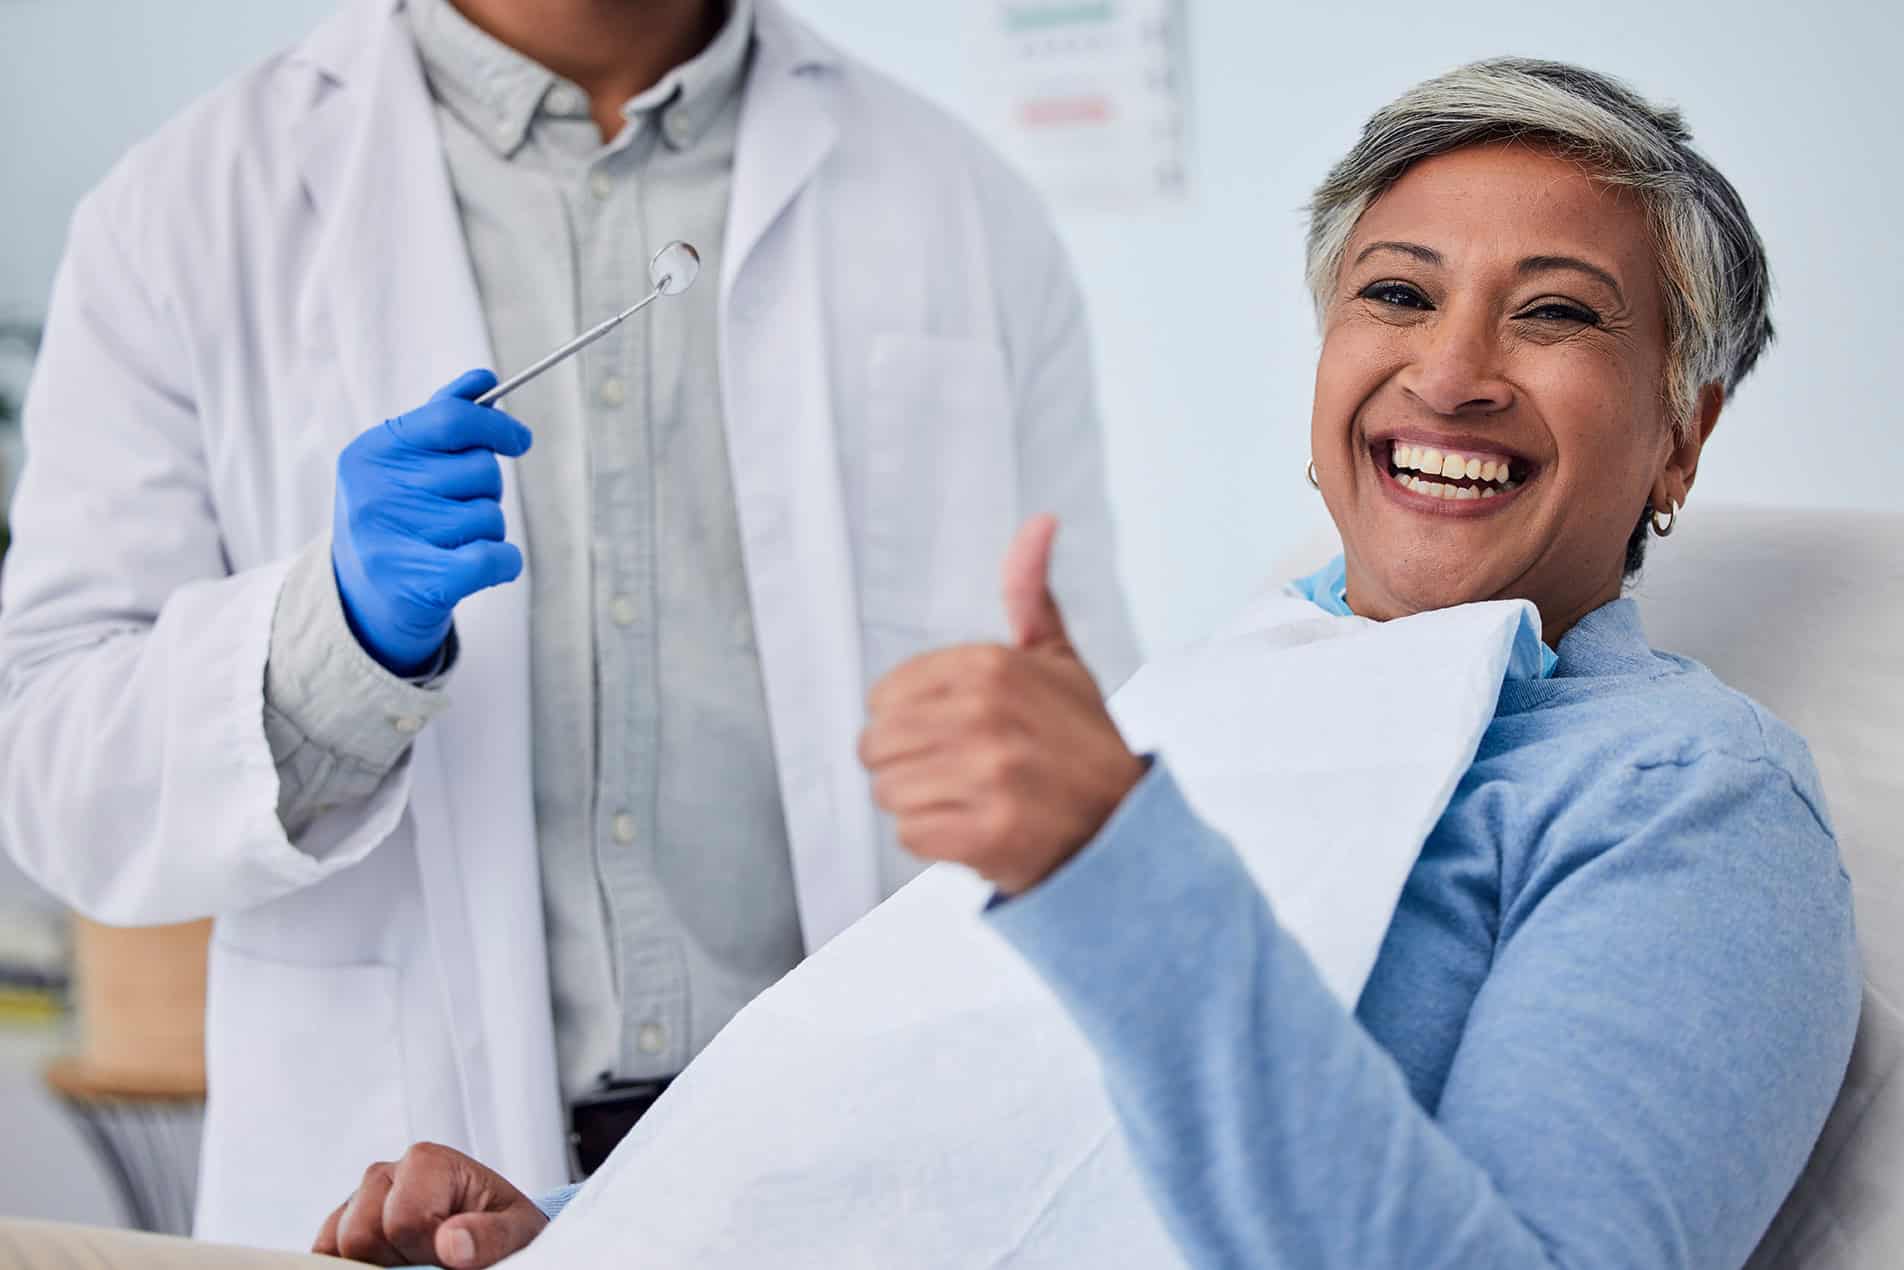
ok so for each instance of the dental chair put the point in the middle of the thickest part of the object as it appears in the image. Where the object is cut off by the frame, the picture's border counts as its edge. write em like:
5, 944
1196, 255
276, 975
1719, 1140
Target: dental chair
1804, 611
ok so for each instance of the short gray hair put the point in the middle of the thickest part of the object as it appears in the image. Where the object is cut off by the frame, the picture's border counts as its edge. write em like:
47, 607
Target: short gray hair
1712, 264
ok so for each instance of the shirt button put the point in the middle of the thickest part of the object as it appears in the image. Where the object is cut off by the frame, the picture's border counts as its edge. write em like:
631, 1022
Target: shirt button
600, 185
407, 724
624, 611
563, 100
624, 828
651, 1038
612, 392
679, 128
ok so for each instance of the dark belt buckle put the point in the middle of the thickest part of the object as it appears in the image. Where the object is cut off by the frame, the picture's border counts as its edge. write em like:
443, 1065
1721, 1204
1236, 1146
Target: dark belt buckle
601, 1118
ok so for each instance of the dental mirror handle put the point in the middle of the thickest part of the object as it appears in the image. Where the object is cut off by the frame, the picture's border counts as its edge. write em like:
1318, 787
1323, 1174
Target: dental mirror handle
565, 352
671, 271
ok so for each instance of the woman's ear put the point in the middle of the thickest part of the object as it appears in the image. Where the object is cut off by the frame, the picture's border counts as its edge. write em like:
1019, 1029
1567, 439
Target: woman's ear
1675, 479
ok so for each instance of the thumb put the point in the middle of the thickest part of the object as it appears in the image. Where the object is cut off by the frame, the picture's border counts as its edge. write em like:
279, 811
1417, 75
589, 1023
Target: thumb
469, 1241
1029, 606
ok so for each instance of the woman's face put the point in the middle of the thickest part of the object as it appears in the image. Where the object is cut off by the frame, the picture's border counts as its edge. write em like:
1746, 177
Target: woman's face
1498, 312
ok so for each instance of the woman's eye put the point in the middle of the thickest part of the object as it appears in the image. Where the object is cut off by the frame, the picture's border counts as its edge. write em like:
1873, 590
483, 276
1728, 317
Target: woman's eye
1398, 294
1554, 311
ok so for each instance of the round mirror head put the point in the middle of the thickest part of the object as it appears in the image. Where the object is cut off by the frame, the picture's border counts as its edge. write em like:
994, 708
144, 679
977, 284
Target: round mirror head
674, 268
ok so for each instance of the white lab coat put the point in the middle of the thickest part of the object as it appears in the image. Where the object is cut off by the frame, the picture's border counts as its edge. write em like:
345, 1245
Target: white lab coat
905, 376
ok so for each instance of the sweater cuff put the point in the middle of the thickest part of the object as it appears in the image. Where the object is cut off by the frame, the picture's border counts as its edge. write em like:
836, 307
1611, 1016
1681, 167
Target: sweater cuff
332, 692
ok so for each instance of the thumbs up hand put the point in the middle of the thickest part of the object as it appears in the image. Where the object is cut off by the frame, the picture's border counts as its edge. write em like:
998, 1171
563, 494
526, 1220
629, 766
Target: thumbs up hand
1000, 758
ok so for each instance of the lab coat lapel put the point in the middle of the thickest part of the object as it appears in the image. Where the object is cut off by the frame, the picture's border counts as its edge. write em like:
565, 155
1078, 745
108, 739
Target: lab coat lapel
390, 271
787, 129
391, 280
784, 451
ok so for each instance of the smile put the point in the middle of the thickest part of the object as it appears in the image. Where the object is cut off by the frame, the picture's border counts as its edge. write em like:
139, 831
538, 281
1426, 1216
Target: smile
1467, 480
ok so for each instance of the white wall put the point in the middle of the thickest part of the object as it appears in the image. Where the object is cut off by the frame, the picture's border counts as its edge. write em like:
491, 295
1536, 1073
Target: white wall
1205, 343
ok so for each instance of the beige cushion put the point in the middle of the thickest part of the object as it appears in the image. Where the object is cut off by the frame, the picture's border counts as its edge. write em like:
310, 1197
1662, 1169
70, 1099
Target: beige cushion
37, 1245
1804, 611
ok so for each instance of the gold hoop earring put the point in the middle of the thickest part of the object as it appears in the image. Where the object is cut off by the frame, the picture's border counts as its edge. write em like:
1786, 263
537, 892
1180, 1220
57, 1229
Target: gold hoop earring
1311, 474
1672, 519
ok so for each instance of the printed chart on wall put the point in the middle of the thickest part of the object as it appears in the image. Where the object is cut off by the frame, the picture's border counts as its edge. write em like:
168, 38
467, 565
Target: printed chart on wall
1090, 97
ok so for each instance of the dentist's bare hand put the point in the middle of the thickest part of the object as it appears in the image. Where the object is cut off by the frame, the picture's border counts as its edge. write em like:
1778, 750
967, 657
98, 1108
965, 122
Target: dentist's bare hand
1000, 758
434, 1207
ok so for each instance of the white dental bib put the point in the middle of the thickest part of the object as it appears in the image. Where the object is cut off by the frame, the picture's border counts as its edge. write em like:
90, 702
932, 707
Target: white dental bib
913, 1096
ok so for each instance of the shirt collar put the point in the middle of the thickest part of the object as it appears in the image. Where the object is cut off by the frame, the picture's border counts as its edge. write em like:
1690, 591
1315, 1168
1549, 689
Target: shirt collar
1608, 641
1328, 589
498, 92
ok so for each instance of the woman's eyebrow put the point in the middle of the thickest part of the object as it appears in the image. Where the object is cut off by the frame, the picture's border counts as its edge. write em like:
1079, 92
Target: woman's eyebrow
1427, 255
1545, 264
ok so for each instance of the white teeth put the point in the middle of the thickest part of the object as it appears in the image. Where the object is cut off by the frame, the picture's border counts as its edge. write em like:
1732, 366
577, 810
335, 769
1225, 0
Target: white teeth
1467, 493
1432, 462
1490, 493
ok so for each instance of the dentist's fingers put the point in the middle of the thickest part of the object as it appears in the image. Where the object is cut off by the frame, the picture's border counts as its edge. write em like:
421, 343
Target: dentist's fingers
468, 474
450, 523
474, 1240
449, 425
429, 1184
325, 1245
1030, 607
475, 566
469, 385
359, 1228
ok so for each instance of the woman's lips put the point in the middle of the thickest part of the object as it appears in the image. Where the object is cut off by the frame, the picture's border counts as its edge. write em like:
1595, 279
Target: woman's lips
1450, 479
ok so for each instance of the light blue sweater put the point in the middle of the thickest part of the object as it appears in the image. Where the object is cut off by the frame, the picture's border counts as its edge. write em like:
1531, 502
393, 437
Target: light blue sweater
1605, 1027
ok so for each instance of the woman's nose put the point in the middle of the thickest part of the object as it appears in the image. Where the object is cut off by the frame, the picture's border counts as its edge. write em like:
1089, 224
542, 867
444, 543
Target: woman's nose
1456, 370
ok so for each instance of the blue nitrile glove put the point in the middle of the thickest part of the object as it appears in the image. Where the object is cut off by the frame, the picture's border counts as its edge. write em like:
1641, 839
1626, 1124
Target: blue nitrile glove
418, 522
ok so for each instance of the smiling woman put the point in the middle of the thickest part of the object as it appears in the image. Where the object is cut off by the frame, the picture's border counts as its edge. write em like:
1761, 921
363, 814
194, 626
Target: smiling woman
1524, 265
1615, 998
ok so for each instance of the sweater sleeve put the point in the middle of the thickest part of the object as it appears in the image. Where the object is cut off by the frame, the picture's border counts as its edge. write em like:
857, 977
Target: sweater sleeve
1640, 1078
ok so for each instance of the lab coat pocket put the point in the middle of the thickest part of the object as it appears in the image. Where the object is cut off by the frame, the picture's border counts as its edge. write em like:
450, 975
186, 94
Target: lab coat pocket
304, 1065
940, 496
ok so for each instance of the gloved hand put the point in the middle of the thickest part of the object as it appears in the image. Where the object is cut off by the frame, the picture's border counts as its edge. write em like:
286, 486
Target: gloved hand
418, 521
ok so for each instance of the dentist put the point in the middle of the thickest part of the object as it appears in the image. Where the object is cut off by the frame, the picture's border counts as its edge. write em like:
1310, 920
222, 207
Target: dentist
514, 752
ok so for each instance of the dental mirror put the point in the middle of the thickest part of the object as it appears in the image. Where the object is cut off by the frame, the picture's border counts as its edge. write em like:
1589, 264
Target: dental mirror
674, 268
672, 271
